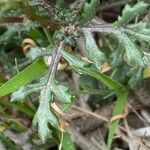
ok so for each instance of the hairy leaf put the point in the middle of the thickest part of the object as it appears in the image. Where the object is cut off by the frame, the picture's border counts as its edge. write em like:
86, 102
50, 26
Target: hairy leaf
89, 11
129, 13
92, 50
133, 54
44, 116
37, 52
140, 31
23, 92
136, 75
63, 92
72, 59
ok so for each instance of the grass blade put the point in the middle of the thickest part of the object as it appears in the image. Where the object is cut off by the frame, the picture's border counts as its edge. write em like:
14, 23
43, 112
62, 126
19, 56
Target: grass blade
100, 76
10, 145
119, 107
24, 77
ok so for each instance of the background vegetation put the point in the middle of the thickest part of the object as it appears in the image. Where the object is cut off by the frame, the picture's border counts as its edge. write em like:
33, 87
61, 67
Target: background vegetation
74, 74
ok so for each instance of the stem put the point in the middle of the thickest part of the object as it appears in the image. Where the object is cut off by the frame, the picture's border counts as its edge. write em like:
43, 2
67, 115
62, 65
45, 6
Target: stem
54, 63
52, 69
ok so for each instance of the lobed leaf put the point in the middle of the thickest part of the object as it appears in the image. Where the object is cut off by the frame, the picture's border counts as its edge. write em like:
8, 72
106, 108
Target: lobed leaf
23, 92
44, 116
63, 93
140, 31
129, 13
92, 50
133, 54
37, 52
72, 59
89, 11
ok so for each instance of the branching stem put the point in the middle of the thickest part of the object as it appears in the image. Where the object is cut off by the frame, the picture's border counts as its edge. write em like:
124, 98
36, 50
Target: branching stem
53, 68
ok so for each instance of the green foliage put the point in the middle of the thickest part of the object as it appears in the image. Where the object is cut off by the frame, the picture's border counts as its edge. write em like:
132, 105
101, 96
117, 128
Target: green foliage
123, 45
119, 107
101, 77
21, 94
37, 52
129, 13
89, 11
133, 54
119, 89
65, 139
24, 77
62, 92
140, 31
44, 116
93, 51
7, 141
72, 59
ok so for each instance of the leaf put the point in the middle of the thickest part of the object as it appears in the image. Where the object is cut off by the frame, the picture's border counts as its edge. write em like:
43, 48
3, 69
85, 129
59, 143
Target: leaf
89, 11
60, 3
119, 107
92, 50
117, 56
23, 92
67, 143
89, 90
133, 53
101, 77
18, 126
146, 72
72, 59
24, 77
135, 76
44, 116
37, 52
8, 143
140, 31
25, 108
129, 13
63, 93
